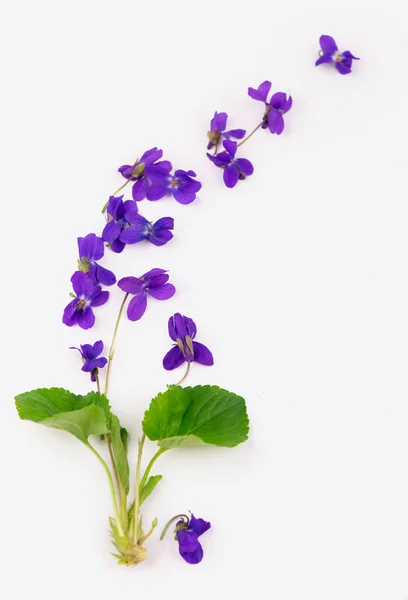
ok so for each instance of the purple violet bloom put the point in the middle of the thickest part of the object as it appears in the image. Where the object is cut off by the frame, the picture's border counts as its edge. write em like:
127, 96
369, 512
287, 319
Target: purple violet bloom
90, 250
234, 168
182, 330
157, 233
182, 185
217, 130
90, 354
79, 310
278, 105
144, 170
330, 54
153, 282
120, 215
187, 537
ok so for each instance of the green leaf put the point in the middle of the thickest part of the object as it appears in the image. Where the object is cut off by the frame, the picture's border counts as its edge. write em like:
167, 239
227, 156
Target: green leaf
58, 408
194, 415
120, 452
149, 487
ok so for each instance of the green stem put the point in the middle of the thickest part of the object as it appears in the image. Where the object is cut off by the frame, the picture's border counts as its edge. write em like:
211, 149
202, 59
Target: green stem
112, 347
250, 135
183, 517
119, 189
137, 490
149, 467
111, 487
185, 374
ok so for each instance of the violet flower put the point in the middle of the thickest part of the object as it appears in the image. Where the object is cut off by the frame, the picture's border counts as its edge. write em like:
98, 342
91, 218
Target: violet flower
154, 283
91, 358
182, 330
119, 216
278, 105
157, 233
144, 170
217, 130
234, 168
330, 54
90, 250
187, 537
182, 185
79, 310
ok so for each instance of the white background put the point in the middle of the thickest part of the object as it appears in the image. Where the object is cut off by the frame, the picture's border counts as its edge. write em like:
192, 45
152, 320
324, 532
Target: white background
297, 280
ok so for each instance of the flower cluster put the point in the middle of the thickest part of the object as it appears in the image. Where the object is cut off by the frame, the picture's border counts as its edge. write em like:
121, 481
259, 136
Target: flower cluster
236, 169
329, 54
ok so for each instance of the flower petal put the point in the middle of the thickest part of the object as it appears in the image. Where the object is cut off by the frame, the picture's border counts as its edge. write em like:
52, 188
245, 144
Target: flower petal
86, 318
202, 354
70, 316
82, 284
164, 223
327, 44
137, 307
219, 121
199, 526
278, 100
231, 175
173, 359
131, 210
115, 207
235, 133
343, 69
111, 231
275, 122
245, 166
90, 247
261, 93
104, 276
221, 159
230, 147
162, 292
130, 285
159, 237
184, 196
98, 348
324, 58
117, 246
99, 298
139, 189
158, 190
150, 156
134, 234
189, 547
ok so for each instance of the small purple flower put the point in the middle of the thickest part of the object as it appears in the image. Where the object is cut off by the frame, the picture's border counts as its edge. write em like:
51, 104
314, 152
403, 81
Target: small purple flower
234, 168
90, 250
144, 171
187, 537
182, 330
120, 215
217, 130
157, 233
330, 54
154, 283
79, 310
278, 105
182, 185
90, 355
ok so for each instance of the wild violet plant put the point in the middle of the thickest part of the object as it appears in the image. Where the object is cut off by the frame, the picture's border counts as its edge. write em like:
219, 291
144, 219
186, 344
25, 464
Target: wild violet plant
178, 417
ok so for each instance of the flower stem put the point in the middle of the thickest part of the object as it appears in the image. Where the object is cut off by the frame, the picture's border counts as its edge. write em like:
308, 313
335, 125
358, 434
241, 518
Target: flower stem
250, 135
182, 517
149, 467
98, 385
112, 346
111, 487
185, 374
119, 189
137, 490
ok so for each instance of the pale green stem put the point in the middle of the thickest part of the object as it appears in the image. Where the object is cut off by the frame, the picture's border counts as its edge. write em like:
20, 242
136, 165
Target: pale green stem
111, 487
250, 135
112, 347
137, 490
149, 467
182, 517
185, 375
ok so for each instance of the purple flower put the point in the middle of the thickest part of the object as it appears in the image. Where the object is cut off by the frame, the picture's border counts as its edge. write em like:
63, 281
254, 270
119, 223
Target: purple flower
182, 185
330, 54
90, 250
182, 330
90, 355
144, 171
234, 168
79, 311
187, 537
153, 282
217, 130
157, 233
119, 216
278, 105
